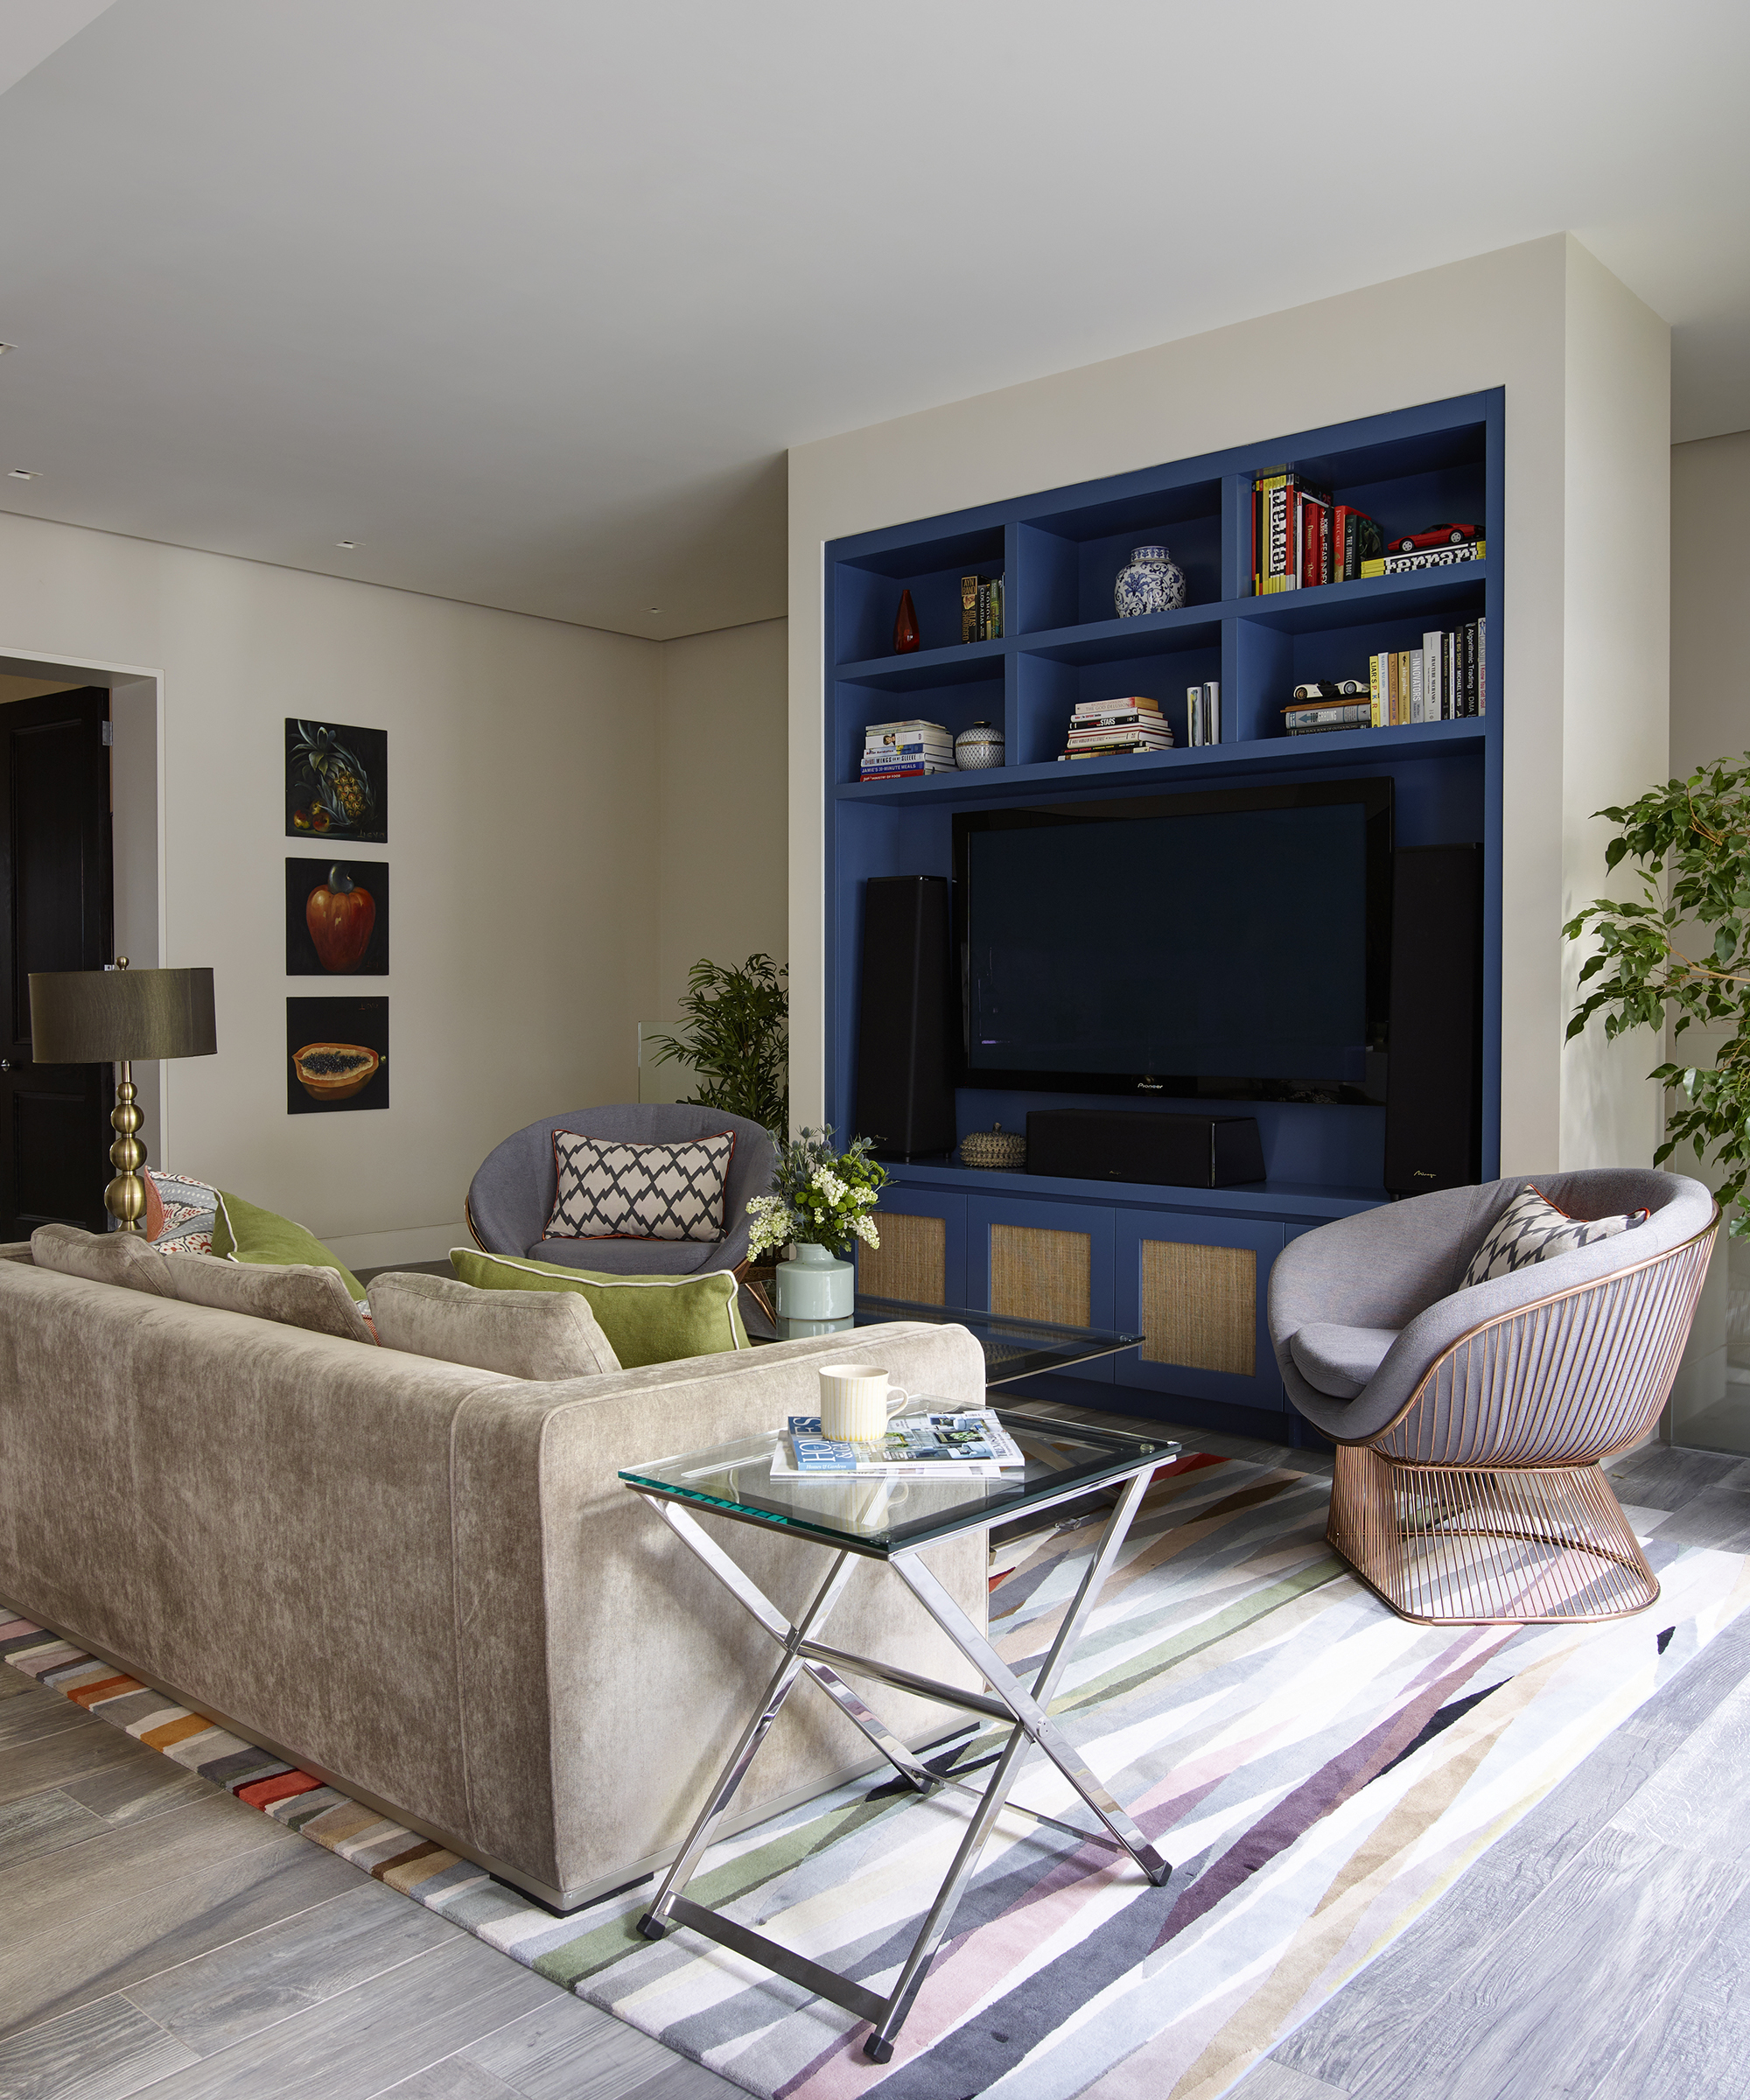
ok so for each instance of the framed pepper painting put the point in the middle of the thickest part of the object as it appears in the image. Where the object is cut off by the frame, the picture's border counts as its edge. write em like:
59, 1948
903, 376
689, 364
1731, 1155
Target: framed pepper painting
336, 918
336, 783
337, 1055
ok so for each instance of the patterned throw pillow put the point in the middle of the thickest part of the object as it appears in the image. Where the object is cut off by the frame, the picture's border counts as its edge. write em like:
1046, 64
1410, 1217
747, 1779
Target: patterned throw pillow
612, 1190
178, 1213
1532, 1229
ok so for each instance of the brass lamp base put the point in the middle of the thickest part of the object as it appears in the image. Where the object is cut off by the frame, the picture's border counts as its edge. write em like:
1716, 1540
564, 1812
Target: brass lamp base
125, 1198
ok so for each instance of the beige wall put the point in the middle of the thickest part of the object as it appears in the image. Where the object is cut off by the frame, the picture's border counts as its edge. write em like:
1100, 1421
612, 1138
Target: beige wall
720, 864
523, 796
1709, 719
1542, 320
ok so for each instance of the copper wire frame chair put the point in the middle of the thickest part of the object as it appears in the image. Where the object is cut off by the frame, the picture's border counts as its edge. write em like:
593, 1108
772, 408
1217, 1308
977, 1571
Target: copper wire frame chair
1481, 1502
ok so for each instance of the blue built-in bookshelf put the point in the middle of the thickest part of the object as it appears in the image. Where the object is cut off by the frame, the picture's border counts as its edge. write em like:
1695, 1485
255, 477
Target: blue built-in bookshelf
1059, 552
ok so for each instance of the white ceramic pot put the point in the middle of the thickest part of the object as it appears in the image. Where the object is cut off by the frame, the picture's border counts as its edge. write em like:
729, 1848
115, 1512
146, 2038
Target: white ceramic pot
978, 747
814, 1284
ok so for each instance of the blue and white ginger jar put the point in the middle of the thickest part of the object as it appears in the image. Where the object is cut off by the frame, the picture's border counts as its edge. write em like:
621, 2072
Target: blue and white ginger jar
1150, 582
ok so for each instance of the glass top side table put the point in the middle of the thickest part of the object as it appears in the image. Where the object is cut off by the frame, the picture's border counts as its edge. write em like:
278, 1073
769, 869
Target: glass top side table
893, 1521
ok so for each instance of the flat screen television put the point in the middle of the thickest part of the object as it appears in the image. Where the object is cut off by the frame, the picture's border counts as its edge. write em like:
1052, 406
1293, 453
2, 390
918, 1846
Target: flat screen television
1233, 944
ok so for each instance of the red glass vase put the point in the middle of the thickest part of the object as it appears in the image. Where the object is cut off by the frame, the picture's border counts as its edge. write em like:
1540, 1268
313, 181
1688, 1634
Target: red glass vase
906, 636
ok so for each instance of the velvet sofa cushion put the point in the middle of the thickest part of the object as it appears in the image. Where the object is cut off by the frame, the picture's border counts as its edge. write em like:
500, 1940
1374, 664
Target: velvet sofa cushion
244, 1232
127, 1258
646, 1318
1337, 1360
545, 1334
294, 1294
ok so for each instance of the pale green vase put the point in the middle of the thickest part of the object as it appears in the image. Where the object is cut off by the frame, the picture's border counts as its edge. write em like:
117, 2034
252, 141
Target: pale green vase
814, 1284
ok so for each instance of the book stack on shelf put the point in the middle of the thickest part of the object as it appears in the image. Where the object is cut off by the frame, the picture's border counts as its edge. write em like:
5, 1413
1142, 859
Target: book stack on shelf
1322, 705
981, 608
1444, 680
1103, 729
897, 751
1447, 549
1203, 714
1302, 538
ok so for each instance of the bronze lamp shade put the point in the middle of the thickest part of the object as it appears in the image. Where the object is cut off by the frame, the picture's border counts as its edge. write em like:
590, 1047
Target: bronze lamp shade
110, 1016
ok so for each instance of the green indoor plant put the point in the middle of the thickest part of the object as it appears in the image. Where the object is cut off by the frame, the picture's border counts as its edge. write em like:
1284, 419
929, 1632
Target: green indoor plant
821, 1202
736, 1037
1683, 951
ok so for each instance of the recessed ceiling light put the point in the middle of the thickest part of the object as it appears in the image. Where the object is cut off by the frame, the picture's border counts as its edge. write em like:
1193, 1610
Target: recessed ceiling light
20, 474
345, 542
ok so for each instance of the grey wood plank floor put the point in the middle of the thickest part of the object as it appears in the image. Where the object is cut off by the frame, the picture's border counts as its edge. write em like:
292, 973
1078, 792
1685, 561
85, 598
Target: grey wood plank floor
158, 1938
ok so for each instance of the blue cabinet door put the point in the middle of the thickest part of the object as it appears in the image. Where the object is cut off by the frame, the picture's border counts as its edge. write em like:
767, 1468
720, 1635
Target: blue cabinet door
1195, 1287
923, 1255
1043, 1260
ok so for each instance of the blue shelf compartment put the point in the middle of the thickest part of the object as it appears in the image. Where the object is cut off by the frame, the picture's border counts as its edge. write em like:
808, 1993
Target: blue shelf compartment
1068, 560
954, 686
1157, 656
867, 586
1407, 470
1331, 633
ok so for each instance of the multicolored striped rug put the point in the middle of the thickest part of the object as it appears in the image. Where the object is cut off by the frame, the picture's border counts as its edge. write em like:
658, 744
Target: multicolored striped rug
1316, 1770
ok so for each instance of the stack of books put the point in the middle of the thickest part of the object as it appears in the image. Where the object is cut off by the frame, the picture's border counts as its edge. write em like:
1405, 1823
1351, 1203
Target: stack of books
897, 750
1320, 704
1444, 680
1445, 556
1301, 537
981, 608
1103, 729
1203, 713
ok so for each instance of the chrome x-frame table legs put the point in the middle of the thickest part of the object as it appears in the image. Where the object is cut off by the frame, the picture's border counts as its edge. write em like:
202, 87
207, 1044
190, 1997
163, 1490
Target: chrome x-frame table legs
1022, 1705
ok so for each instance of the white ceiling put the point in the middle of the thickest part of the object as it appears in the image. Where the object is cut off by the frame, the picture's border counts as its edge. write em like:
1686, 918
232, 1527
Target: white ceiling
528, 297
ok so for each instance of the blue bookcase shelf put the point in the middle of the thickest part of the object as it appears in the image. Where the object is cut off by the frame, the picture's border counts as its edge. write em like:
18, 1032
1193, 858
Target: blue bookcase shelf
1059, 552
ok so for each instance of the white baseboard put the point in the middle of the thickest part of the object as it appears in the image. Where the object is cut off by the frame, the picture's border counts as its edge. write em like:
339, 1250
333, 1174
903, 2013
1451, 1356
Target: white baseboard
413, 1243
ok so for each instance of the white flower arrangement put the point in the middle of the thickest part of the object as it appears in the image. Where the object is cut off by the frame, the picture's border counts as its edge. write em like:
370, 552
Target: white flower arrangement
819, 1199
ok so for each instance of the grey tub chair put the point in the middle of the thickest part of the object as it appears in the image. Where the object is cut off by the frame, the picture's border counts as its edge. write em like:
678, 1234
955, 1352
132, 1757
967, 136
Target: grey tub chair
511, 1198
1469, 1423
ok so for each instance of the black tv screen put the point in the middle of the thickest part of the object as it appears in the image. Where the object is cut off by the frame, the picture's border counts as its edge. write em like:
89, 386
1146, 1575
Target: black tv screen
1233, 943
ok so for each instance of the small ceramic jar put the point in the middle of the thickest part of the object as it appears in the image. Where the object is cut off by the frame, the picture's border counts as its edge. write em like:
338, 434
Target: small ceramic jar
977, 747
1150, 582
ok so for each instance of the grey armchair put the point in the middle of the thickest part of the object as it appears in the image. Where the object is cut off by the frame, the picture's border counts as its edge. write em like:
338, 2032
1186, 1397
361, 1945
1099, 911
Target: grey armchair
1469, 1423
511, 1198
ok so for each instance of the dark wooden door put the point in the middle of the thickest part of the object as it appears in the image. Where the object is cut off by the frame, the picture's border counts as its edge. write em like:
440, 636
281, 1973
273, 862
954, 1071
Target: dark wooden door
58, 914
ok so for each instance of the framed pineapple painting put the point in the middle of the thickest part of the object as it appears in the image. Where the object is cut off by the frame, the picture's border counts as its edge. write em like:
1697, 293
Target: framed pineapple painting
336, 782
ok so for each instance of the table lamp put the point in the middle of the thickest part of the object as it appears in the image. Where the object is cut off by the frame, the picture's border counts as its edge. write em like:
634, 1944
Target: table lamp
110, 1016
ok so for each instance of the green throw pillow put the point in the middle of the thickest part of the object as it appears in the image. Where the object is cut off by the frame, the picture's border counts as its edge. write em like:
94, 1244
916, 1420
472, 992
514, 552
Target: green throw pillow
646, 1318
244, 1232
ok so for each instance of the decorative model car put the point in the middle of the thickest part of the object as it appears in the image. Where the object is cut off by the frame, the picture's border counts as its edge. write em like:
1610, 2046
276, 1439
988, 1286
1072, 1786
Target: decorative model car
1432, 535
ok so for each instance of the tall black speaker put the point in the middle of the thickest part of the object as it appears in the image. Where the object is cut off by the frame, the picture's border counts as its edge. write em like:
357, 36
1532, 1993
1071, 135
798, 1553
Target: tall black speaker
904, 1088
1433, 1095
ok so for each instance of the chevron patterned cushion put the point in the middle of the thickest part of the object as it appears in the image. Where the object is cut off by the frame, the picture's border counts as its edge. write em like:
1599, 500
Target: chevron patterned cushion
611, 1190
1532, 1229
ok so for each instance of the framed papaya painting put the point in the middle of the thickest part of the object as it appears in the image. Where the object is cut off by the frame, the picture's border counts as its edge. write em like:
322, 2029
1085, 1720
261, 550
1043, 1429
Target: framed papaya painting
336, 782
336, 1055
336, 918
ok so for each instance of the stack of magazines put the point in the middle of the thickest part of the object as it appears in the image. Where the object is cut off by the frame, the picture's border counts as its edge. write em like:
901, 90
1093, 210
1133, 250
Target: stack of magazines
971, 1443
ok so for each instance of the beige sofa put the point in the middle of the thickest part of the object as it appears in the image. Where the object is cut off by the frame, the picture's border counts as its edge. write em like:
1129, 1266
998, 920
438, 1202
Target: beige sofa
426, 1582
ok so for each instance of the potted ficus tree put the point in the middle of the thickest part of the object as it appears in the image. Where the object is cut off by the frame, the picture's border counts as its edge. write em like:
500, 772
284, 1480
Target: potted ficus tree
1682, 952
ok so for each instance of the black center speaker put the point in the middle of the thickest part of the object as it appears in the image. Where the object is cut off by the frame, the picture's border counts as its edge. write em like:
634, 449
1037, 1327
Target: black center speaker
1433, 1094
905, 1080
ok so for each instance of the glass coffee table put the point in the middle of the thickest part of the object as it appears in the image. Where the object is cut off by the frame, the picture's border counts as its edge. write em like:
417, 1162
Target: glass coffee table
892, 1521
1013, 1348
